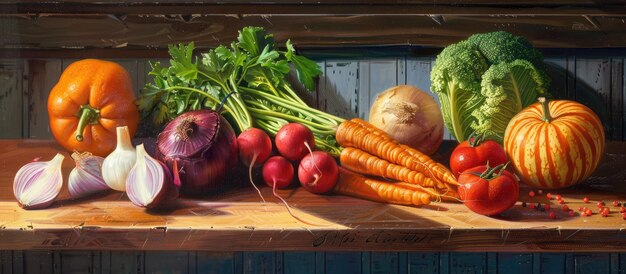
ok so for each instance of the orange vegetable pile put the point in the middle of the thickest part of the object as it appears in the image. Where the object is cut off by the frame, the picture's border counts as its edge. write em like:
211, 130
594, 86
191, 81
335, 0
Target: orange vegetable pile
370, 151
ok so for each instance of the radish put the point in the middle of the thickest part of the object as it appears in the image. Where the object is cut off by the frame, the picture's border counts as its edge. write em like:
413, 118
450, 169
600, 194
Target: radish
318, 172
254, 148
294, 140
278, 172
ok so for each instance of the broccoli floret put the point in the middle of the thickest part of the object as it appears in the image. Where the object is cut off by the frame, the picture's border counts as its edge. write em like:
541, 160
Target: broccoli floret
456, 78
480, 81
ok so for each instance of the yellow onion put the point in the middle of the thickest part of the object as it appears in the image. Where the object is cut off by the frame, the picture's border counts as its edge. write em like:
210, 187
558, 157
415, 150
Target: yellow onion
410, 116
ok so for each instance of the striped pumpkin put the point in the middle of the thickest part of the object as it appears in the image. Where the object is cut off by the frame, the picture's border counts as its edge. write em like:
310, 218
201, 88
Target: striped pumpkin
554, 144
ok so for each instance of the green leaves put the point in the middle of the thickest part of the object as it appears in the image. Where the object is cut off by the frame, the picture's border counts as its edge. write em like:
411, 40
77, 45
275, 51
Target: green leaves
252, 68
306, 69
181, 63
507, 89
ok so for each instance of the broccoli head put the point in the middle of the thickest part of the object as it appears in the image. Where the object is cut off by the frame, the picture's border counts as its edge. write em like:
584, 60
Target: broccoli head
482, 82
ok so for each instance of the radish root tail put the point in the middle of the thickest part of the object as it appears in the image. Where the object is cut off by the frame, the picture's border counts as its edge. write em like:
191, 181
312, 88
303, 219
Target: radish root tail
317, 178
289, 208
250, 176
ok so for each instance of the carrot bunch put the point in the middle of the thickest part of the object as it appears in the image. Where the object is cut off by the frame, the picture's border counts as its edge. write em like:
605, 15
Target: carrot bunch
370, 151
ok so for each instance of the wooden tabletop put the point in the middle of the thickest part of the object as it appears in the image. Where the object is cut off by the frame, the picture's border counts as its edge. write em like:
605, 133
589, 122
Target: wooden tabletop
238, 220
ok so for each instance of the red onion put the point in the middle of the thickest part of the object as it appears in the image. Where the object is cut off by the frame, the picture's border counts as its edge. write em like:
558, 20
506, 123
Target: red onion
200, 147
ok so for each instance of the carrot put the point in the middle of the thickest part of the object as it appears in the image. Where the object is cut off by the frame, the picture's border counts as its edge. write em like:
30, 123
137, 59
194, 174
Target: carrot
362, 162
447, 196
360, 134
353, 184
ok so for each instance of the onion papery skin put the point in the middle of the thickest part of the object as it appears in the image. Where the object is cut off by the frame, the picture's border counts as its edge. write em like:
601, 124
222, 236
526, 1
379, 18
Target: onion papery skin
158, 180
410, 116
46, 177
86, 178
206, 158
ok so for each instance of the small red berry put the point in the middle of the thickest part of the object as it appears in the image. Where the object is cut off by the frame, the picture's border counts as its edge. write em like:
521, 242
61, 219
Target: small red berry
624, 215
600, 204
588, 212
558, 197
622, 210
561, 202
565, 208
552, 215
605, 214
586, 200
582, 208
531, 193
549, 196
532, 206
572, 213
607, 210
616, 203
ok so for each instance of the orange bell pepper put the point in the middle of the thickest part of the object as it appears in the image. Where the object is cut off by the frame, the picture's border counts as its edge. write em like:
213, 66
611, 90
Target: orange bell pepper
91, 99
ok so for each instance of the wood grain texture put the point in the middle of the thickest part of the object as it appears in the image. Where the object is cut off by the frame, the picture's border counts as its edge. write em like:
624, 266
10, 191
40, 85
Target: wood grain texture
237, 221
10, 99
128, 31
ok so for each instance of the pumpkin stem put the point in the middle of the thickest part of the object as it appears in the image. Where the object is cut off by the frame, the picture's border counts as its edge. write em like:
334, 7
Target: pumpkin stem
546, 109
87, 116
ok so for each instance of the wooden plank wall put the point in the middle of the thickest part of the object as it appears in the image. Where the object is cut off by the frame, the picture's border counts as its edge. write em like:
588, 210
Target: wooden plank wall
347, 88
101, 262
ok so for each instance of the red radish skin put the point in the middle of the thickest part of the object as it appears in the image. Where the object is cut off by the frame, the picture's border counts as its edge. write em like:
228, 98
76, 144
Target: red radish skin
318, 172
292, 140
254, 148
278, 172
254, 142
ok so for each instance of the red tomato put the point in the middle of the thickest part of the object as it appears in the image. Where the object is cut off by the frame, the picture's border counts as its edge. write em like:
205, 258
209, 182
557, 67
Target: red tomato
488, 194
476, 153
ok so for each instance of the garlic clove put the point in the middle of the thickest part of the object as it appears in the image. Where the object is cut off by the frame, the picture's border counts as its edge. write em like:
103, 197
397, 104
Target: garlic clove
116, 165
37, 184
86, 178
149, 183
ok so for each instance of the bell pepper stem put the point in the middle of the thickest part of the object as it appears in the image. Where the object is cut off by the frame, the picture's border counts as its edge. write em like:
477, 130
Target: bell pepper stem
87, 116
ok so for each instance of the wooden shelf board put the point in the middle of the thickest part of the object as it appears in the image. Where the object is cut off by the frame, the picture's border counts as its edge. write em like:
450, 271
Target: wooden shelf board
237, 220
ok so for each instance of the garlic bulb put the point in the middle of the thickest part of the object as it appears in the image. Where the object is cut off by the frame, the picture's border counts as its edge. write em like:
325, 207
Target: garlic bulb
86, 178
37, 184
116, 166
149, 183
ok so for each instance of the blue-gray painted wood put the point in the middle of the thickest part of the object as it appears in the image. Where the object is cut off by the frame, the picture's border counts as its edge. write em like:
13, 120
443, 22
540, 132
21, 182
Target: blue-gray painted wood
384, 263
375, 76
421, 262
259, 263
15, 262
513, 263
343, 263
38, 262
75, 262
172, 261
592, 263
464, 262
338, 95
215, 262
299, 262
550, 263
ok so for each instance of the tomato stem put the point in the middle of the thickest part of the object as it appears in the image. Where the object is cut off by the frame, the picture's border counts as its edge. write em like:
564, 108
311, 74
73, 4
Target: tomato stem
87, 116
546, 109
